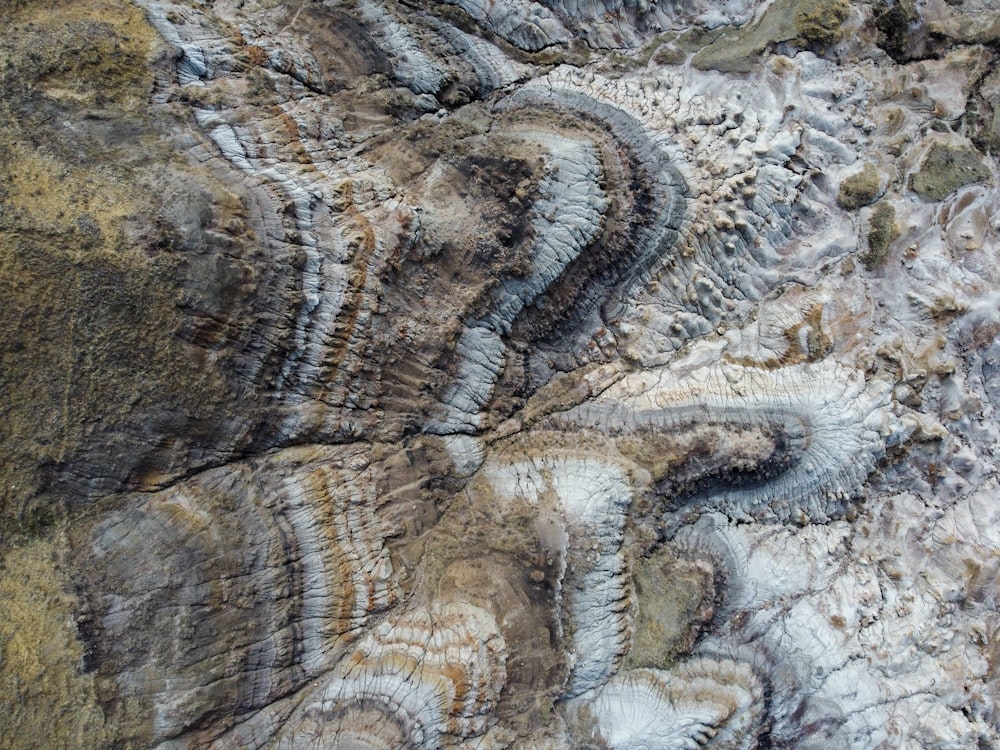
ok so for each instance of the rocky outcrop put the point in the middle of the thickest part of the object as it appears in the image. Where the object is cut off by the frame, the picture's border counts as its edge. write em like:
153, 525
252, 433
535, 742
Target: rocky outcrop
543, 374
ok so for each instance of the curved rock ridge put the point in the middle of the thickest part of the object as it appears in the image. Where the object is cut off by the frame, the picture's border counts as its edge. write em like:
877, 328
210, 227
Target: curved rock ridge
524, 23
579, 260
534, 374
638, 239
702, 702
437, 672
754, 631
565, 220
801, 439
289, 562
534, 26
588, 501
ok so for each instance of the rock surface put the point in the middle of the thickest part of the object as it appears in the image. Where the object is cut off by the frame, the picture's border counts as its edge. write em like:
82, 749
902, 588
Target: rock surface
478, 374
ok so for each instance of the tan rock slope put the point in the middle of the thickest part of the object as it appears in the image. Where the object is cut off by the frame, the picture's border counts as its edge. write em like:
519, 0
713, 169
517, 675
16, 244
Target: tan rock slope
559, 374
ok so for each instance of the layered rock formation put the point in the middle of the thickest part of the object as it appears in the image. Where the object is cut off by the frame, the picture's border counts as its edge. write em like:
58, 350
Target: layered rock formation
472, 374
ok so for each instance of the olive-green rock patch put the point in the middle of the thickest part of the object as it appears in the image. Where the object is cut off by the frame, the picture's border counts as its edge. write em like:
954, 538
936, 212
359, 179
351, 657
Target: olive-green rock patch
93, 373
881, 233
947, 168
804, 23
675, 600
894, 21
859, 189
46, 701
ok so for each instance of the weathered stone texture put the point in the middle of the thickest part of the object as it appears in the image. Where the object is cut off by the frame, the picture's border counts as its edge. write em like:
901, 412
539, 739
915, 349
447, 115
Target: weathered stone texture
485, 374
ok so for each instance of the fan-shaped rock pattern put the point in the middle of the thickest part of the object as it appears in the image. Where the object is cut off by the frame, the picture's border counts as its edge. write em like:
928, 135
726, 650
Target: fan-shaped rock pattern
528, 381
807, 434
289, 564
701, 703
588, 501
412, 681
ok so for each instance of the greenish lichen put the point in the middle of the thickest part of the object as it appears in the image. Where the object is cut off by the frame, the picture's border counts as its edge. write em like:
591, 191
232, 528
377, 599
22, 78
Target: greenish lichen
859, 189
803, 23
819, 21
93, 275
880, 235
894, 21
46, 701
674, 601
946, 168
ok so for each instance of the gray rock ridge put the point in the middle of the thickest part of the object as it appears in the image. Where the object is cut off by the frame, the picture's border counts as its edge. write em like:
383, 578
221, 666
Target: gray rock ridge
552, 393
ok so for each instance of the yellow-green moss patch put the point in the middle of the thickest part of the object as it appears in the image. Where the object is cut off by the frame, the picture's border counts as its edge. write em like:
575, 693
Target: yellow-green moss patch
675, 600
804, 23
880, 235
946, 168
860, 188
45, 699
